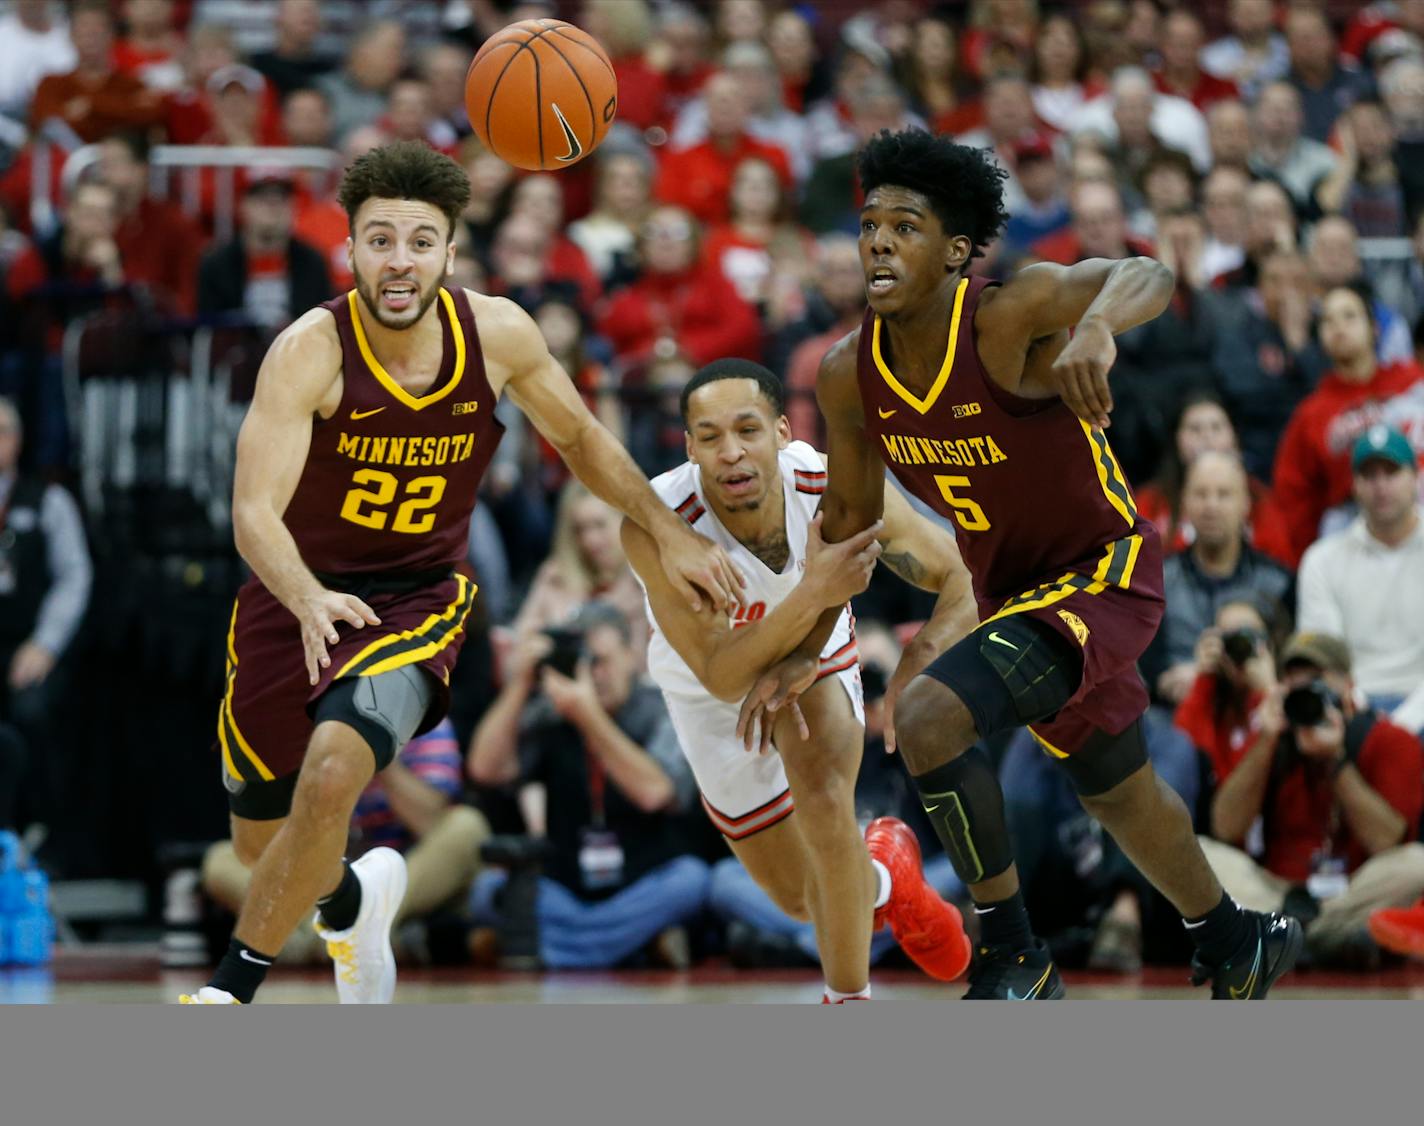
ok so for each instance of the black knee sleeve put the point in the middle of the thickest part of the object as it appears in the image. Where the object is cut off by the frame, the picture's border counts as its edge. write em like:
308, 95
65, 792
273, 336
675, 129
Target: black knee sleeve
1010, 672
1106, 760
965, 805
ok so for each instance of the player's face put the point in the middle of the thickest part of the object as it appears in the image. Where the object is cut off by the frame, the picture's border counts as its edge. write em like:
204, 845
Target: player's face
905, 252
734, 437
400, 253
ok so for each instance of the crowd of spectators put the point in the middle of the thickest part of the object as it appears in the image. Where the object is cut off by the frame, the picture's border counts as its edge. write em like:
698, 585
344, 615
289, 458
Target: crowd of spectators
1271, 420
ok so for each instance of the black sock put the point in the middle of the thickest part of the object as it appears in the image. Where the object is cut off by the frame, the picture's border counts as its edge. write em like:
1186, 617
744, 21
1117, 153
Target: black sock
340, 908
241, 971
1221, 932
1004, 923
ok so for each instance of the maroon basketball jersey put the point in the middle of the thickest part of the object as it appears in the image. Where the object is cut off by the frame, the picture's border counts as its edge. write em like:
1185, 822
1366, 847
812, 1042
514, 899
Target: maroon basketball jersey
1035, 495
390, 479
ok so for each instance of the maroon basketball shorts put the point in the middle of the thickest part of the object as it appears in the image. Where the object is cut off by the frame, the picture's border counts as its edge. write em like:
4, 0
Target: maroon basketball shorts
265, 720
1109, 609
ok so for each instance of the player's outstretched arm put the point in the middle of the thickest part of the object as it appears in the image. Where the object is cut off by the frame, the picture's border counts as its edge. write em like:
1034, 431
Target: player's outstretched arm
298, 376
727, 660
1096, 299
519, 362
854, 500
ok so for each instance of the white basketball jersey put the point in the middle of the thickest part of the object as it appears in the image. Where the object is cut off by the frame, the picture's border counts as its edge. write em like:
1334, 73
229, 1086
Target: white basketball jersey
803, 477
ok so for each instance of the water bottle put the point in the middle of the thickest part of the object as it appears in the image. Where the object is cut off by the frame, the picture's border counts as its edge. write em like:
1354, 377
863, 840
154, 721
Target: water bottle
11, 891
32, 930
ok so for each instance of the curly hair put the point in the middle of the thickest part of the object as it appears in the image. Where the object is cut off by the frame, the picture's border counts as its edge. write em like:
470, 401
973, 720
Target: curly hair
964, 186
405, 170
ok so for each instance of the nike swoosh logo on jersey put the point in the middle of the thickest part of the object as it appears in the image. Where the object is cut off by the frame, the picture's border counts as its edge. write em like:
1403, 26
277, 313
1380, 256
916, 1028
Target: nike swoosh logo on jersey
570, 137
885, 413
995, 637
357, 416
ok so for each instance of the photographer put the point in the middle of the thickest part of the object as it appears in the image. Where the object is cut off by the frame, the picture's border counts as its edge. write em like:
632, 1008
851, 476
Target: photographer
1338, 791
575, 717
1236, 670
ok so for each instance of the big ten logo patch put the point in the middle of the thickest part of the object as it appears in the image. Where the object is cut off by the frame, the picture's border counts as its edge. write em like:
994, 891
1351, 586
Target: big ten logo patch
468, 407
966, 410
746, 615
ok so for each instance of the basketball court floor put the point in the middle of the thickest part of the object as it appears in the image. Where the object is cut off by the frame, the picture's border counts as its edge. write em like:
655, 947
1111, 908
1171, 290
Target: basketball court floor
121, 975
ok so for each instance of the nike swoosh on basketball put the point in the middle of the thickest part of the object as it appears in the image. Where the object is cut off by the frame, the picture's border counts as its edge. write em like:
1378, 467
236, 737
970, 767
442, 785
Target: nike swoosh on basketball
570, 137
995, 637
1250, 986
356, 416
885, 413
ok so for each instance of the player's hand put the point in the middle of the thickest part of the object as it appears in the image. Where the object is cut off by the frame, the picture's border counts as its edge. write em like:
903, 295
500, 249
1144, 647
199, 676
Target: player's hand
1080, 374
571, 696
701, 572
318, 614
913, 661
780, 687
31, 665
841, 570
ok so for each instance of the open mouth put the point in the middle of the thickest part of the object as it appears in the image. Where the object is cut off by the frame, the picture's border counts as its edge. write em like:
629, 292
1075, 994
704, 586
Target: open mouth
398, 295
739, 483
882, 279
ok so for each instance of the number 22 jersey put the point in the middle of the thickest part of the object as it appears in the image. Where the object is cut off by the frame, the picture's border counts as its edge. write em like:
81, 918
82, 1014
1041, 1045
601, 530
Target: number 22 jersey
391, 478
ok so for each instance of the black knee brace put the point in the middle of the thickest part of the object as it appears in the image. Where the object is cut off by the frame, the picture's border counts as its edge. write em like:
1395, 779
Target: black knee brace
1106, 760
1010, 672
965, 805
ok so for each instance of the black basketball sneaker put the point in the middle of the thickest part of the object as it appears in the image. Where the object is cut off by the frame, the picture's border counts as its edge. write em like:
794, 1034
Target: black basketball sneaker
1275, 943
1005, 974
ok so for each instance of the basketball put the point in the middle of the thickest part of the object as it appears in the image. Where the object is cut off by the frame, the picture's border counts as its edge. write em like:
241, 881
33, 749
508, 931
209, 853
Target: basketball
541, 94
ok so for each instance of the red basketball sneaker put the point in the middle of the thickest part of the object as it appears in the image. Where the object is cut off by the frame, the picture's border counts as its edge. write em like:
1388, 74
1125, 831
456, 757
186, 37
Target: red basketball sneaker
927, 928
1400, 929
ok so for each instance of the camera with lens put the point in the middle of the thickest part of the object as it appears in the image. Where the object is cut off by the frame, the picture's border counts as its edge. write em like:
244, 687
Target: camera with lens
1306, 706
1240, 645
873, 681
566, 652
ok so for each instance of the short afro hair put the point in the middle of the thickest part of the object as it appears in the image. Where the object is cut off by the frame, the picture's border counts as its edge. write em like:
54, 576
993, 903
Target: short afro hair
736, 368
964, 186
405, 170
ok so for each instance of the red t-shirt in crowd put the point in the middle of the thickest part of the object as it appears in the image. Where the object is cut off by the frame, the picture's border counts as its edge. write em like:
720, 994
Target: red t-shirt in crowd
698, 309
1224, 736
322, 224
642, 93
1302, 813
700, 178
1209, 89
160, 247
1312, 472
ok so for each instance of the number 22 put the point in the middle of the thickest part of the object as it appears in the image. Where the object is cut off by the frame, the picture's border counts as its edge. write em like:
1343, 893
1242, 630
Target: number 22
366, 506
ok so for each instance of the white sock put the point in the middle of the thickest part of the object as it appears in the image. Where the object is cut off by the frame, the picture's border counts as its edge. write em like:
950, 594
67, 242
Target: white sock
882, 876
836, 998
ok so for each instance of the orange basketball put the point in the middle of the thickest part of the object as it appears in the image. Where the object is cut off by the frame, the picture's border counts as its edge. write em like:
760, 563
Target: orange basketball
541, 94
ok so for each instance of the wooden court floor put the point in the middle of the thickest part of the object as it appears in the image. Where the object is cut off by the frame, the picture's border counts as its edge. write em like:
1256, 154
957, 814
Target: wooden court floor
115, 975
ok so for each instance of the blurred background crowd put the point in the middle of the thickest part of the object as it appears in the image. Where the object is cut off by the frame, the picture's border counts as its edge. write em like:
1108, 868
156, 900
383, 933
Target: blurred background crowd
167, 171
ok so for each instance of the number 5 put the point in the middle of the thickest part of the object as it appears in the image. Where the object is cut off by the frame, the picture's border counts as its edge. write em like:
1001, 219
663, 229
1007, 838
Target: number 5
968, 514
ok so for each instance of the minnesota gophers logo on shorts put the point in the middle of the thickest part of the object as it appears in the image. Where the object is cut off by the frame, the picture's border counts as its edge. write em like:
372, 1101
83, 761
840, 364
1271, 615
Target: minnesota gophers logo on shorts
1075, 623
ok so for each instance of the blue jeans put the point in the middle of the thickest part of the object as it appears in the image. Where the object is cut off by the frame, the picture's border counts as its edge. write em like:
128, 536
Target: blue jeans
578, 934
735, 896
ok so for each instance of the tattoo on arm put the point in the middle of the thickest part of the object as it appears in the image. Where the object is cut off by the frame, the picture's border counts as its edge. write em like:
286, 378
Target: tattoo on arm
904, 564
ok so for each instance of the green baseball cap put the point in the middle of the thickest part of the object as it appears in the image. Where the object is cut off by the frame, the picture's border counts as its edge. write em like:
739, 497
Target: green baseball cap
1383, 443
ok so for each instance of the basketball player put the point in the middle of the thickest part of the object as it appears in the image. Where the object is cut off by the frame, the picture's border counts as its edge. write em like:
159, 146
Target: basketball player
357, 468
755, 492
990, 403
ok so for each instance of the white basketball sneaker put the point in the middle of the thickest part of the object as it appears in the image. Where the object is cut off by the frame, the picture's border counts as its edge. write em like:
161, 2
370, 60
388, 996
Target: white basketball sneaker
365, 964
209, 996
